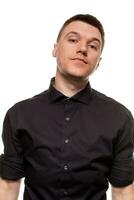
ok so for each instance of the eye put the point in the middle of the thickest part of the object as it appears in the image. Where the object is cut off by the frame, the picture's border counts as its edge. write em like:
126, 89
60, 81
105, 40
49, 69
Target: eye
73, 40
92, 46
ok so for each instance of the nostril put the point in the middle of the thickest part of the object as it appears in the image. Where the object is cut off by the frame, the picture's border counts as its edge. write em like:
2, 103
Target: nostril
83, 52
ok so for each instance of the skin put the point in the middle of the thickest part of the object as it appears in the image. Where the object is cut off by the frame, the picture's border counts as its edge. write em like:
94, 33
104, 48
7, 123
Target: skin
124, 193
9, 190
78, 54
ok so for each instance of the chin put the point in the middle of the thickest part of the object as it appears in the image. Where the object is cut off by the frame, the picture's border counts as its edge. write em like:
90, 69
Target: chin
77, 77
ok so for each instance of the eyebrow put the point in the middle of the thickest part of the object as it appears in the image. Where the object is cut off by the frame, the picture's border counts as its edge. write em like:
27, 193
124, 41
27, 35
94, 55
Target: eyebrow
77, 34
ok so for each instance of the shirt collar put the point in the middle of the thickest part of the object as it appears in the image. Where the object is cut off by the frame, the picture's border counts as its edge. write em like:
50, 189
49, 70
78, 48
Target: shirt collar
56, 96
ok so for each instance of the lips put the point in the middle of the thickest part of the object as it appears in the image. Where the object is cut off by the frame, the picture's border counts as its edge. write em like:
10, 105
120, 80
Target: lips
80, 59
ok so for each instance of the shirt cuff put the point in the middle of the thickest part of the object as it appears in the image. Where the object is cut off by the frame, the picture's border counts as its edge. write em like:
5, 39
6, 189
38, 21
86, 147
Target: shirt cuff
11, 168
122, 173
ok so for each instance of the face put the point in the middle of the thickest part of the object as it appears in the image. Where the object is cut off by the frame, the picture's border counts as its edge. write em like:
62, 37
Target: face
78, 50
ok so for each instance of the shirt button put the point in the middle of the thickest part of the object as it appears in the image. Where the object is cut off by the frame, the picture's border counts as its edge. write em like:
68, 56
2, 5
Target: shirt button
67, 118
65, 193
67, 141
65, 167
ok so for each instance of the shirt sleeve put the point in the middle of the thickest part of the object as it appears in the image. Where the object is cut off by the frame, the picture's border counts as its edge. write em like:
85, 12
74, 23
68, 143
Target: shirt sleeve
122, 170
11, 161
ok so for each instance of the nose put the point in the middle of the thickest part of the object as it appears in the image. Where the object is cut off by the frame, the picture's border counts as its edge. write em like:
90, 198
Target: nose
82, 48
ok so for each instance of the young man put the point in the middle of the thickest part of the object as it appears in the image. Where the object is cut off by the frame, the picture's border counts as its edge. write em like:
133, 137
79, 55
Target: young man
69, 141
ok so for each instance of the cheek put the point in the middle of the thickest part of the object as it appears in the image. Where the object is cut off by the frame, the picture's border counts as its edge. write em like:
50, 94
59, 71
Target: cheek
65, 51
61, 58
62, 55
93, 59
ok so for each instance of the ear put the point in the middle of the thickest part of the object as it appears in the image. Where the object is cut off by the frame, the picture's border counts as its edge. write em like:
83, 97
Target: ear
54, 52
98, 63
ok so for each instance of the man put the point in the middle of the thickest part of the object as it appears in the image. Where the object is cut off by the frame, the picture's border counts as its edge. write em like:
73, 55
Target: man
69, 141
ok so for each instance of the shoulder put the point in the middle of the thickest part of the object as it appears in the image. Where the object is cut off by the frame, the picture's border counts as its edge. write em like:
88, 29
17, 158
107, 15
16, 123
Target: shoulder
109, 105
30, 104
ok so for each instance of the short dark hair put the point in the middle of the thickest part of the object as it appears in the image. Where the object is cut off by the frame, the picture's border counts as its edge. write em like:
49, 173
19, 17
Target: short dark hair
87, 18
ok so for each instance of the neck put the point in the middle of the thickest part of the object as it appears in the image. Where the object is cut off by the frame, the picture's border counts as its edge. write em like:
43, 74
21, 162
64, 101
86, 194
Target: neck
69, 86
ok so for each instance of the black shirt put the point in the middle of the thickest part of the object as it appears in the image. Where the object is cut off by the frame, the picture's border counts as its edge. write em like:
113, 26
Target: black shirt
68, 148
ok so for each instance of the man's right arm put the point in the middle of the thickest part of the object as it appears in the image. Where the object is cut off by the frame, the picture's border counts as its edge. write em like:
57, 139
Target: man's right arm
9, 190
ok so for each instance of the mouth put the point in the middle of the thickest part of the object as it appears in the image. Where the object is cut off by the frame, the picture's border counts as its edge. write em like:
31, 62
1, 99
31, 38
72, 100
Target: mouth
80, 59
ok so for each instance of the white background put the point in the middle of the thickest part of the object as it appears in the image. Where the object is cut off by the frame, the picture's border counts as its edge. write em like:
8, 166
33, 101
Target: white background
28, 30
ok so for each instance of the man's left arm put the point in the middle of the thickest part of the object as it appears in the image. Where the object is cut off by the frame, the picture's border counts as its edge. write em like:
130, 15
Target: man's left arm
121, 174
123, 193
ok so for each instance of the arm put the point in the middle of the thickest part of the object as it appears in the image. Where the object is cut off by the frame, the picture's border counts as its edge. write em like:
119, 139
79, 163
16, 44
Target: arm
123, 193
9, 190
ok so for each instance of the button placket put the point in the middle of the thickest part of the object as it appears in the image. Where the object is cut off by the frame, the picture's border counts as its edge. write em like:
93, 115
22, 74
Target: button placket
68, 110
66, 132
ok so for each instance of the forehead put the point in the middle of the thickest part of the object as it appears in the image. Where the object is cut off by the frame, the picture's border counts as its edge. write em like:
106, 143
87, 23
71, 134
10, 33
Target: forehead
83, 29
